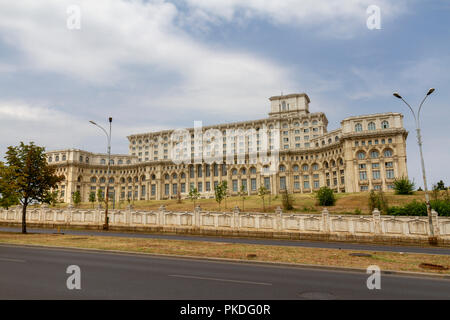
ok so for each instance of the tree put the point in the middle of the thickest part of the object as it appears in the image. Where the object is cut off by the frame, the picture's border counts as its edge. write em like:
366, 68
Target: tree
52, 197
287, 200
29, 176
193, 195
8, 197
262, 191
100, 197
219, 193
92, 198
403, 186
76, 198
242, 194
326, 197
379, 201
225, 191
440, 185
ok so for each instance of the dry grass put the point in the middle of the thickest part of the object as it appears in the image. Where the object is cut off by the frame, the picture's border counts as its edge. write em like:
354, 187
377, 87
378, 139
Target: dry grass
299, 255
347, 203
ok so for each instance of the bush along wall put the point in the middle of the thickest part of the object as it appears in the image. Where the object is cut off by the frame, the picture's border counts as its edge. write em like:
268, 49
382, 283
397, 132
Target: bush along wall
419, 208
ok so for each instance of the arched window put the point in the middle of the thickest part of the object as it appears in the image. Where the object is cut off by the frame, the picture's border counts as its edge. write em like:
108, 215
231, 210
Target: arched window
336, 138
129, 180
385, 124
243, 171
371, 126
333, 163
174, 176
120, 161
166, 176
325, 165
295, 167
103, 161
314, 122
136, 179
358, 127
128, 161
374, 154
183, 175
81, 158
234, 172
305, 123
329, 140
315, 166
102, 180
122, 180
361, 155
305, 167
111, 180
111, 161
282, 168
93, 180
387, 153
252, 170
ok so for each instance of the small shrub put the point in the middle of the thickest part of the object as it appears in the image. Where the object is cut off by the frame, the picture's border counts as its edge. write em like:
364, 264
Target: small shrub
287, 201
419, 208
379, 201
403, 186
326, 197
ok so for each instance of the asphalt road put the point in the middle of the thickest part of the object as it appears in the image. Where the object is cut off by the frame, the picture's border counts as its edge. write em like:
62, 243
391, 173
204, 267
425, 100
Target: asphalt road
299, 243
40, 273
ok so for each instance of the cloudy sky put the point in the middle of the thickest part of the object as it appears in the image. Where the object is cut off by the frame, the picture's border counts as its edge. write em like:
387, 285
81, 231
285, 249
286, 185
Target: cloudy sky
159, 64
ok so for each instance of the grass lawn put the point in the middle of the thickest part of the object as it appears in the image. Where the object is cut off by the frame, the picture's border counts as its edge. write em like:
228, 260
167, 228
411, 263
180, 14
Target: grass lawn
313, 256
347, 203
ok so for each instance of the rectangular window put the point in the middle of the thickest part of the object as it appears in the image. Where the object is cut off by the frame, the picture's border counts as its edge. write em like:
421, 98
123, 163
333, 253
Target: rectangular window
296, 185
267, 183
235, 185
376, 174
183, 187
282, 183
375, 165
316, 184
362, 175
166, 189
390, 174
153, 189
208, 186
253, 183
306, 184
174, 188
244, 184
200, 187
364, 188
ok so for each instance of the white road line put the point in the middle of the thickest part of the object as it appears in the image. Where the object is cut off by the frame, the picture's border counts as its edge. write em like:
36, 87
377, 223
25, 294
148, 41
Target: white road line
217, 279
11, 260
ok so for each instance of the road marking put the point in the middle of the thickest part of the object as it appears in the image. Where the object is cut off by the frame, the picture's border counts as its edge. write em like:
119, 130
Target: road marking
217, 279
11, 260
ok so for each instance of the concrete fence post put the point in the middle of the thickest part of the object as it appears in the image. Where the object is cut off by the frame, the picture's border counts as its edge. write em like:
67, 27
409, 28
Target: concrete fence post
197, 222
325, 220
435, 220
376, 221
161, 217
278, 218
236, 218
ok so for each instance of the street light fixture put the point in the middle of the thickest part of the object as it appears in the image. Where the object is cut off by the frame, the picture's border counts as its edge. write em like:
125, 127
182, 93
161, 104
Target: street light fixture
108, 137
419, 142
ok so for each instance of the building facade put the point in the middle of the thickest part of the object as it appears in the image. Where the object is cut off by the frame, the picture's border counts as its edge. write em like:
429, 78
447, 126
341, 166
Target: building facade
290, 149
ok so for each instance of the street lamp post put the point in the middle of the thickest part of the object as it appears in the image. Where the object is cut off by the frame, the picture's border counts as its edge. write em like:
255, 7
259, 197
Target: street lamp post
419, 142
108, 137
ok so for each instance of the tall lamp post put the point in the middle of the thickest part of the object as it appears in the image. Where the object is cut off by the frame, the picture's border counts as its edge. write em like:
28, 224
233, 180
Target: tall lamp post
419, 141
108, 137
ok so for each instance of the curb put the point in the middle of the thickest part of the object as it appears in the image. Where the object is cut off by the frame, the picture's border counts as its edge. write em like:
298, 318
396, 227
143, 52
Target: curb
240, 261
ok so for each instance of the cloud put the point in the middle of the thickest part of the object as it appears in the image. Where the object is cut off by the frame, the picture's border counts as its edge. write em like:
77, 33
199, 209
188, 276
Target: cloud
329, 17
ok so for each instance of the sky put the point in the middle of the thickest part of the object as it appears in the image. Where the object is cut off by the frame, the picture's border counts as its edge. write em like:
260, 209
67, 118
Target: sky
160, 64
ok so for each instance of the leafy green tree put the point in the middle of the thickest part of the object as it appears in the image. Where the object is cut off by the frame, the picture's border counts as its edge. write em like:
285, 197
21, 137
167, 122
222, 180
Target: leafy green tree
92, 198
52, 197
193, 195
287, 200
29, 176
219, 194
242, 194
326, 197
225, 191
76, 198
262, 191
440, 185
100, 197
403, 186
8, 197
378, 200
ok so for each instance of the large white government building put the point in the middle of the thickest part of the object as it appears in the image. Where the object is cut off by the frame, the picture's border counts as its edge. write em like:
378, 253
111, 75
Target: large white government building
367, 152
